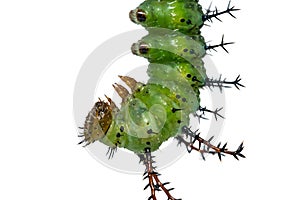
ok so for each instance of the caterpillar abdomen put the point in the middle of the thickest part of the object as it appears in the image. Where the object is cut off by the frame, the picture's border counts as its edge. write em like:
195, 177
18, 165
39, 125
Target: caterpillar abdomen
158, 110
155, 111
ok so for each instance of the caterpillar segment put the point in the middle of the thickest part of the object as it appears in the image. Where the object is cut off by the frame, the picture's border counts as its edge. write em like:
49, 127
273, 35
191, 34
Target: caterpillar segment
183, 15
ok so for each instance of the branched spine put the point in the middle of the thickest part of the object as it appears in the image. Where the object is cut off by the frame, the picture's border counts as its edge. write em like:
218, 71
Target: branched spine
214, 112
207, 146
154, 183
222, 45
222, 83
208, 16
111, 152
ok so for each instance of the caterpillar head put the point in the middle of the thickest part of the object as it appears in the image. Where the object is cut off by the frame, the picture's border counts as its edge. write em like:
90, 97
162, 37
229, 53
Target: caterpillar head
97, 122
186, 16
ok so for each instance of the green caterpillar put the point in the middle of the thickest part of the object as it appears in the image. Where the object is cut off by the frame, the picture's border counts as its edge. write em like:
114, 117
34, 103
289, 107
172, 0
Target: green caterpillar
155, 111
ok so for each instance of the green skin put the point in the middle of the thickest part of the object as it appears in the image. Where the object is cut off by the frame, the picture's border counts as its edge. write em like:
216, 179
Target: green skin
165, 46
145, 118
185, 15
157, 111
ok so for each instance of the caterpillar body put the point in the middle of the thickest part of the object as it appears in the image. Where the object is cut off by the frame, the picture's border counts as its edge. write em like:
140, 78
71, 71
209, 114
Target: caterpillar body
157, 110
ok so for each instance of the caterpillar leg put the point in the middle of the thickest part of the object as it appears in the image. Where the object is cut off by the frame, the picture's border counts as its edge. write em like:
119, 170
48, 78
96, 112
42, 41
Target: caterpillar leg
207, 146
210, 14
223, 83
154, 183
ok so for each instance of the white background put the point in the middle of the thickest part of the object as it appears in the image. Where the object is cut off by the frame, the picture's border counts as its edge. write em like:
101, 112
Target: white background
42, 47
